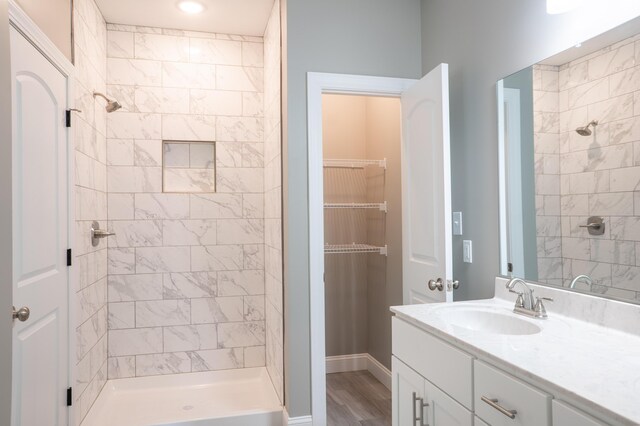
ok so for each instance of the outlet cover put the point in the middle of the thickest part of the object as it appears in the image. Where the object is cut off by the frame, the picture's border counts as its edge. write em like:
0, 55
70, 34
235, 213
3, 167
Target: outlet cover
467, 251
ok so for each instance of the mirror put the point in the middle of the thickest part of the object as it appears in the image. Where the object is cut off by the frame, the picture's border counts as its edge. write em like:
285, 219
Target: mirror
569, 129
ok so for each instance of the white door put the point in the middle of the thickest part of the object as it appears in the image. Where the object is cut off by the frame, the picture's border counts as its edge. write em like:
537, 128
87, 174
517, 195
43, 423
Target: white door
407, 395
443, 410
40, 238
426, 190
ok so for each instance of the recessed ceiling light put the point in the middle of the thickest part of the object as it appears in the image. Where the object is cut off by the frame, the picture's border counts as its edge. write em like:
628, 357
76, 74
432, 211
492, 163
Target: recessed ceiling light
190, 7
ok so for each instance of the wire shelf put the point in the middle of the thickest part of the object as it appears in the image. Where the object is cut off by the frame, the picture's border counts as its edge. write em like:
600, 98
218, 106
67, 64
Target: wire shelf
354, 248
379, 206
354, 164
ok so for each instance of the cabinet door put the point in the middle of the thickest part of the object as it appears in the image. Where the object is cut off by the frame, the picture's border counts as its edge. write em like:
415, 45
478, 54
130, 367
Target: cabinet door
478, 422
408, 395
564, 415
442, 410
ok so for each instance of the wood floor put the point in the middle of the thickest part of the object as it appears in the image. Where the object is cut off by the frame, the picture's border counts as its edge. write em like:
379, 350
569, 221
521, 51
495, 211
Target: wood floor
357, 399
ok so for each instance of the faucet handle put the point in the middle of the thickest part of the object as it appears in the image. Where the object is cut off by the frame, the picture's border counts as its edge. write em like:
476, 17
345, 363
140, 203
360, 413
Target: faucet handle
539, 308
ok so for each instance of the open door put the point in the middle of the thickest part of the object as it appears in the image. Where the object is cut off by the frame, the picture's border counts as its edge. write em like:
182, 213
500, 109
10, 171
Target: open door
426, 191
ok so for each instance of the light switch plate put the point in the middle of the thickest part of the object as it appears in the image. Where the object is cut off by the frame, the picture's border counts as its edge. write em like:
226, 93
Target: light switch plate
467, 251
457, 223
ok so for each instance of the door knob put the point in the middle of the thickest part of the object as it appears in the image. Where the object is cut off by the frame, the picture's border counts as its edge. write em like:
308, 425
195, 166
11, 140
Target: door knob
437, 284
21, 314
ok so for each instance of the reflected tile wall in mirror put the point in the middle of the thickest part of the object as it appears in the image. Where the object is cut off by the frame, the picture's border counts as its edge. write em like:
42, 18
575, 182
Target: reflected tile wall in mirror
598, 175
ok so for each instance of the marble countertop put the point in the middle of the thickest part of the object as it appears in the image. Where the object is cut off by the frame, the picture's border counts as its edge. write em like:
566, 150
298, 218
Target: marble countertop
595, 366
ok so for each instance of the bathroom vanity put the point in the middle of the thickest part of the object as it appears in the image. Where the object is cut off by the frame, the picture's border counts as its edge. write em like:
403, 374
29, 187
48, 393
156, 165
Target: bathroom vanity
478, 363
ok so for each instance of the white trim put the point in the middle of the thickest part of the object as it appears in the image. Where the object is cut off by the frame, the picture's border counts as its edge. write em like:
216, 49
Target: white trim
359, 362
295, 421
345, 363
28, 28
502, 186
379, 371
21, 22
317, 84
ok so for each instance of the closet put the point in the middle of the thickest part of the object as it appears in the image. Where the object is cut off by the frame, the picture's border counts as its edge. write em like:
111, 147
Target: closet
363, 247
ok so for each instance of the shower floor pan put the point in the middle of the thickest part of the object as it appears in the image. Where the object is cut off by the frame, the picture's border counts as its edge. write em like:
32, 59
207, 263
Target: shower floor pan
243, 397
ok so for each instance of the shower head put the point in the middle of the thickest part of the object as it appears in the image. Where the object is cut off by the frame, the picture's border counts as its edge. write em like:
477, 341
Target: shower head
112, 104
586, 131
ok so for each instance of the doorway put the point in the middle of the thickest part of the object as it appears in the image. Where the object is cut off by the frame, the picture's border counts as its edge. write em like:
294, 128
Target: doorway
426, 198
318, 85
363, 253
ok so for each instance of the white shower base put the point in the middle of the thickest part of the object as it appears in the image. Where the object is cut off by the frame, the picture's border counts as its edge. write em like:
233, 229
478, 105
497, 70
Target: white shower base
243, 397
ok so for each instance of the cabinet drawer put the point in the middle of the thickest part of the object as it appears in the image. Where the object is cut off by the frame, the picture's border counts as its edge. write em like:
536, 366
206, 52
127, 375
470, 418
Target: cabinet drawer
565, 415
445, 366
533, 407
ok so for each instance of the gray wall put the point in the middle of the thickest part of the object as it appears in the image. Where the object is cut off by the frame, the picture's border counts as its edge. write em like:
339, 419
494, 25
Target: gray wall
484, 41
523, 81
374, 37
5, 220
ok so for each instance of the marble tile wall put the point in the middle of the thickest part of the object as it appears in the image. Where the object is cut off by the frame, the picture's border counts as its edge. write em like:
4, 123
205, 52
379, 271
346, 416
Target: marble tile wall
90, 263
186, 272
597, 175
273, 203
546, 118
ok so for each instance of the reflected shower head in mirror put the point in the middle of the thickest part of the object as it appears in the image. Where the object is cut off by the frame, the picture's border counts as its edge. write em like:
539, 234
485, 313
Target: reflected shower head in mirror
586, 131
112, 104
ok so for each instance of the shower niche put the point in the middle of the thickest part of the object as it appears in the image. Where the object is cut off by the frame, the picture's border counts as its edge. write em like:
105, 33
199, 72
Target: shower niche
188, 166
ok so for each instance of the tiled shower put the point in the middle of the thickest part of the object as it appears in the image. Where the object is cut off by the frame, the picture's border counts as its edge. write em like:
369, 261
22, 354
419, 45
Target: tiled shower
188, 176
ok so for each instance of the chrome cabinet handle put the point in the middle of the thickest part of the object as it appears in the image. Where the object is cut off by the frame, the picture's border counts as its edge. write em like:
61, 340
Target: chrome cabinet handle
493, 402
21, 314
418, 416
437, 284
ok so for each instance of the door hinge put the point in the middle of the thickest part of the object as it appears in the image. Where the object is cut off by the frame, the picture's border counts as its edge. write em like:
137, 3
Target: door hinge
68, 118
69, 257
69, 397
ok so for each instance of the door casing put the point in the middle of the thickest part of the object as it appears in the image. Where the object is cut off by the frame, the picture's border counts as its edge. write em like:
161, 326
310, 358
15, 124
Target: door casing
317, 85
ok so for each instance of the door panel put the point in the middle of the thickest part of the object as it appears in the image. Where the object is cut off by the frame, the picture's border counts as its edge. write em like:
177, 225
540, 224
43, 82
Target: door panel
405, 384
40, 237
443, 410
426, 189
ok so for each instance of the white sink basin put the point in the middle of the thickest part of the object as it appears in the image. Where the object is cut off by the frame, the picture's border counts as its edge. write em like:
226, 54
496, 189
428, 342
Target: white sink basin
486, 320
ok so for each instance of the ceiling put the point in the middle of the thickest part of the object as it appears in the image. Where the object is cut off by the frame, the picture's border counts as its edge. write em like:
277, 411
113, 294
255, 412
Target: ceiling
244, 17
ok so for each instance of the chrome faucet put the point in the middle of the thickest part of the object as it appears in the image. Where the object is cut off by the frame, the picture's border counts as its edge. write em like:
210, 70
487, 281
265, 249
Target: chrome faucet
586, 278
525, 304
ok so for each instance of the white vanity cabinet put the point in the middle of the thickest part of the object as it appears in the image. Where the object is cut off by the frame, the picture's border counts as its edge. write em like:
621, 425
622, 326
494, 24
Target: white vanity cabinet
418, 402
437, 384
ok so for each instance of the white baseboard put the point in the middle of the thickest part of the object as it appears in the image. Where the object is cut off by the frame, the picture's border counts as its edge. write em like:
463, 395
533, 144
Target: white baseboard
358, 362
295, 421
